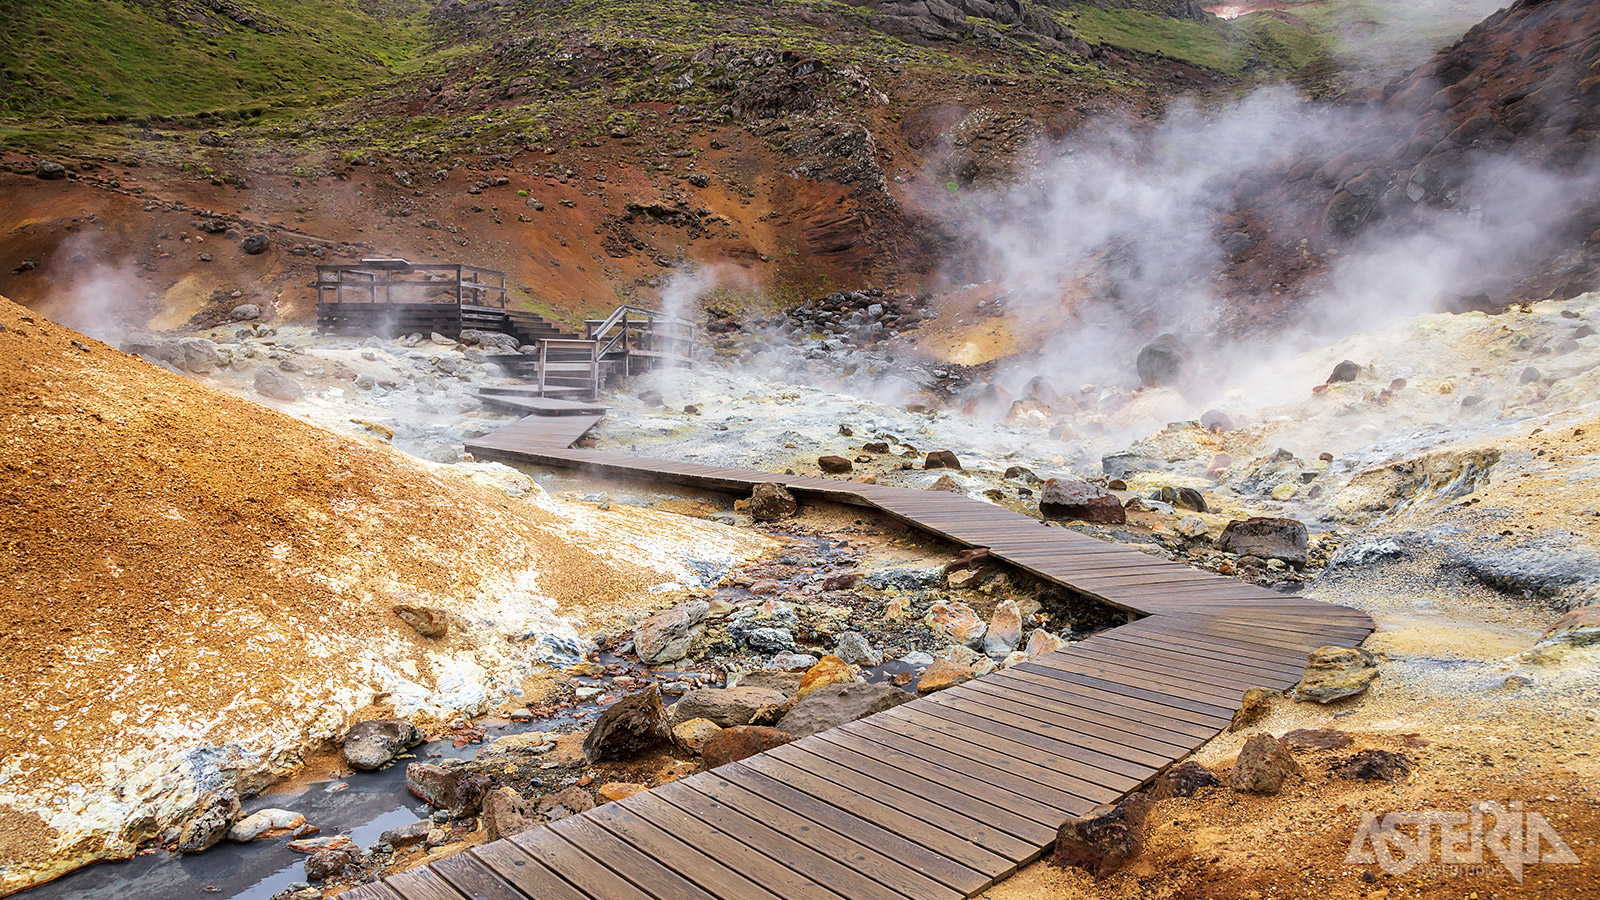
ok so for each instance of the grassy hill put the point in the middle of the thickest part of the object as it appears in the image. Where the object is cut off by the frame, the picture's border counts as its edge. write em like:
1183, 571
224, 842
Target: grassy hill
82, 58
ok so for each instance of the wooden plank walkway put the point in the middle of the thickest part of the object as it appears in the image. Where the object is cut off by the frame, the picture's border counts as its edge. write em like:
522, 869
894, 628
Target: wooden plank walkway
943, 796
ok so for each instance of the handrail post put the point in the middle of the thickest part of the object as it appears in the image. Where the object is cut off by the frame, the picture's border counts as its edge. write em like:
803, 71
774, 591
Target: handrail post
594, 371
543, 356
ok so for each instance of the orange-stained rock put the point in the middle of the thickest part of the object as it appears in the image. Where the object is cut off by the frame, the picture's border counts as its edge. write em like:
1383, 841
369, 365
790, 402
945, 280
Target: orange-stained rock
828, 670
943, 674
618, 790
742, 742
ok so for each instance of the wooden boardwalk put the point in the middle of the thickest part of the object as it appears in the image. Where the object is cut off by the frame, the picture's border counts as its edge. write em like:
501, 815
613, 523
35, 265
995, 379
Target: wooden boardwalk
941, 797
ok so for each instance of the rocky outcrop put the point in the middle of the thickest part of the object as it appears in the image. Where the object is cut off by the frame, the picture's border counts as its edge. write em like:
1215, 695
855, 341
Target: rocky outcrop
1103, 842
1267, 538
1076, 499
667, 636
742, 742
728, 707
1263, 765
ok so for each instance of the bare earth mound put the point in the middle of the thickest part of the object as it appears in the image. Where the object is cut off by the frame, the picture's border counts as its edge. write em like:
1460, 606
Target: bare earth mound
196, 590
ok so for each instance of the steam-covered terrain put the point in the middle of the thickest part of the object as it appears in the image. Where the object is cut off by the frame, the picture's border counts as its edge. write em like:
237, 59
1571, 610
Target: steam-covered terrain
1302, 293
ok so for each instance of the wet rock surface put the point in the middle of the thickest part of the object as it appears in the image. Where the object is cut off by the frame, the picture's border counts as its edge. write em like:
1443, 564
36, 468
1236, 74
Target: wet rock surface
369, 745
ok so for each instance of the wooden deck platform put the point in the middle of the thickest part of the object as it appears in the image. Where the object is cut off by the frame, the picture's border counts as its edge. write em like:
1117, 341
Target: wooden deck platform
941, 797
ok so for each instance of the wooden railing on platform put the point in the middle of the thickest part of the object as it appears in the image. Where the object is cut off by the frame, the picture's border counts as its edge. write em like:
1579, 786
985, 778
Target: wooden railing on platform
399, 281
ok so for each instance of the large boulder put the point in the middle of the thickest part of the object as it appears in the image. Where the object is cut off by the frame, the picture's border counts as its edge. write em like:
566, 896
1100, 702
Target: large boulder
732, 706
1104, 841
1334, 673
1165, 362
370, 745
636, 723
667, 636
1263, 765
455, 788
1074, 498
1266, 537
828, 670
838, 704
771, 501
742, 742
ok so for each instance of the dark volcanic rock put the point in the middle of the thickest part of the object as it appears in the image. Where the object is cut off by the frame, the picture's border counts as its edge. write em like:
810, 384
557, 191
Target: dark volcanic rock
942, 459
834, 465
254, 244
1316, 739
1349, 370
211, 824
1074, 498
772, 501
1268, 538
636, 723
1166, 362
733, 706
1103, 843
1375, 765
370, 745
506, 812
1183, 780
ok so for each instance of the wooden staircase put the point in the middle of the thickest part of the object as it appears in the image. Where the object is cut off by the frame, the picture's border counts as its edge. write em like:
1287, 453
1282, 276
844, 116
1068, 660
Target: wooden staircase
629, 341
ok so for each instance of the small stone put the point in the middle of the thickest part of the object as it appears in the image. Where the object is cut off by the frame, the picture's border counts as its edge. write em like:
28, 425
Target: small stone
406, 835
1349, 370
265, 823
693, 735
727, 707
1183, 780
1529, 375
50, 171
506, 812
211, 824
1005, 629
561, 804
834, 465
1263, 765
852, 647
742, 742
948, 484
1192, 527
1253, 707
244, 312
1041, 642
841, 581
374, 744
1316, 739
828, 670
1335, 673
327, 863
941, 459
429, 621
1375, 765
1216, 420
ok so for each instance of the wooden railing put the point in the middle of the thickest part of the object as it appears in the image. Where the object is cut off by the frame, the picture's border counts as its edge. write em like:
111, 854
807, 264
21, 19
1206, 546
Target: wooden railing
398, 281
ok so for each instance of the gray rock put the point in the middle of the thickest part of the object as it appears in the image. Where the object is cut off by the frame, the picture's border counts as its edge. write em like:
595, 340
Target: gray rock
244, 312
373, 744
406, 835
852, 647
211, 824
440, 340
767, 639
838, 704
271, 383
50, 171
1192, 527
636, 723
254, 244
200, 356
748, 705
667, 636
1166, 362
1266, 537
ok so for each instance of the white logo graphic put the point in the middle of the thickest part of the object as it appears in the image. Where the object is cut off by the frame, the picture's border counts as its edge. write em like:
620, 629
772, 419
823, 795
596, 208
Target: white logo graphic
1401, 841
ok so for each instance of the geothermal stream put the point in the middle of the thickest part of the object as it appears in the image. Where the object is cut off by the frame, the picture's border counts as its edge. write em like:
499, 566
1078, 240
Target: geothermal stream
1399, 472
